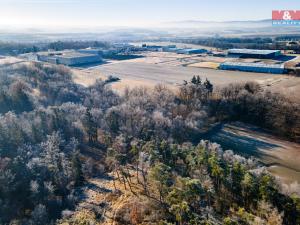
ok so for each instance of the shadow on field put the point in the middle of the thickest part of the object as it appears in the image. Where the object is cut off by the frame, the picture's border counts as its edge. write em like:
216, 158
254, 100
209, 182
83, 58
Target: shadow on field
235, 139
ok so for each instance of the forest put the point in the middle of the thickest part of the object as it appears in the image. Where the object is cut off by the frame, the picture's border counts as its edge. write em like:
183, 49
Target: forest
14, 48
271, 43
55, 135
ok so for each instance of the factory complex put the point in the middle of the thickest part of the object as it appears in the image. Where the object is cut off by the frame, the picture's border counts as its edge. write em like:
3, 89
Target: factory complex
266, 63
253, 67
254, 53
173, 48
248, 60
69, 58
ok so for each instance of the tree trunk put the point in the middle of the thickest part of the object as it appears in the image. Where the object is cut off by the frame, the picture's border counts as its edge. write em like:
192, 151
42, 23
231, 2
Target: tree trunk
118, 175
114, 182
129, 184
137, 173
124, 182
128, 173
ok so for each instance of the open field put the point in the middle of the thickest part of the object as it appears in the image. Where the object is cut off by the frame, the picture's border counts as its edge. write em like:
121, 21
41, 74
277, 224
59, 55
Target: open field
174, 59
149, 74
174, 75
281, 157
210, 65
171, 69
9, 60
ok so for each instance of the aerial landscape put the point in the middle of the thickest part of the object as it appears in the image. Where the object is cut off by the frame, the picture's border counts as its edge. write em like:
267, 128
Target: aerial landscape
127, 112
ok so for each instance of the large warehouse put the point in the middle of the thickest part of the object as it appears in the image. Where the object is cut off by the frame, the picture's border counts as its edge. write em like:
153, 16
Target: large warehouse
254, 53
253, 67
94, 51
69, 58
189, 51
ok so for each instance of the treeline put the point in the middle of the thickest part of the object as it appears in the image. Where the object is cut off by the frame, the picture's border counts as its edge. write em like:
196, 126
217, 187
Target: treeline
251, 43
250, 104
48, 123
226, 43
288, 38
13, 49
62, 45
10, 48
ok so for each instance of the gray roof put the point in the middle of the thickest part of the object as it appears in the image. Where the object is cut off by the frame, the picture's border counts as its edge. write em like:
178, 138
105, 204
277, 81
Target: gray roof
75, 55
65, 54
91, 48
252, 51
194, 49
258, 65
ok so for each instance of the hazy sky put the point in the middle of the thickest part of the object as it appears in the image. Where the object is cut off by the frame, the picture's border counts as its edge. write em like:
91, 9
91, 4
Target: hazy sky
134, 12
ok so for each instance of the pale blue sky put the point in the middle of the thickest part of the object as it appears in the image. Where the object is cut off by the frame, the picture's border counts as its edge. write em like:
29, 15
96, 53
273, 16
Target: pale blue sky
134, 12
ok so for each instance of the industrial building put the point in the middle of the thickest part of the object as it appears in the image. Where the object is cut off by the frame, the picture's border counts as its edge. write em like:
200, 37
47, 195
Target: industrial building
254, 53
94, 51
175, 50
109, 52
154, 48
168, 47
69, 58
253, 67
186, 51
189, 51
122, 46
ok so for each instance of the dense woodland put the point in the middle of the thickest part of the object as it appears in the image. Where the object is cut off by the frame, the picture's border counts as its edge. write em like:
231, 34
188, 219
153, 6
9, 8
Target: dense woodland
12, 48
48, 124
247, 42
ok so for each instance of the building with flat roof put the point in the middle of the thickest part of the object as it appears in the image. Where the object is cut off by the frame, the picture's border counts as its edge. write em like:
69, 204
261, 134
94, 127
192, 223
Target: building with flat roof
69, 58
122, 45
175, 50
189, 51
94, 51
254, 53
155, 48
253, 67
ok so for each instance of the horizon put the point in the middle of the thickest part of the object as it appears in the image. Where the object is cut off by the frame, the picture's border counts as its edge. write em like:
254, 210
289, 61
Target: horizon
167, 24
130, 13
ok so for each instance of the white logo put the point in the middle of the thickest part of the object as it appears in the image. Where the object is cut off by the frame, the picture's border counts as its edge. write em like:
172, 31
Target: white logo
287, 15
